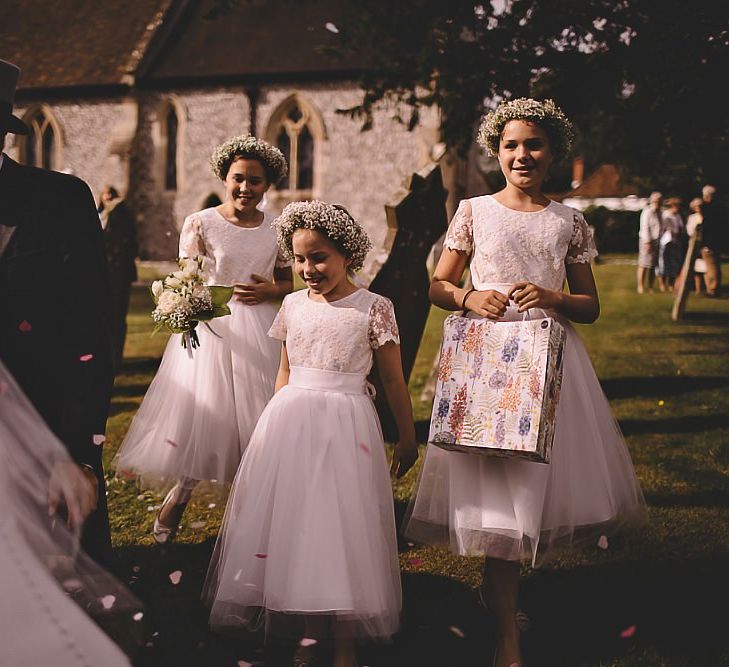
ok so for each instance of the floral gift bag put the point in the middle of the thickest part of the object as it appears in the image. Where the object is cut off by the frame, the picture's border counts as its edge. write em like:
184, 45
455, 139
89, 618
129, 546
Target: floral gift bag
498, 387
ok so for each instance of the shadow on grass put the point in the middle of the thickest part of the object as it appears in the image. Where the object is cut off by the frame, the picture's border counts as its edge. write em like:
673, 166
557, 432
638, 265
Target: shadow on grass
137, 365
122, 406
688, 424
661, 386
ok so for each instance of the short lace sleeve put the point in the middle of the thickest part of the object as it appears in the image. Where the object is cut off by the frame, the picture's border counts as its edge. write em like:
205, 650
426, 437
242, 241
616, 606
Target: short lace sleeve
281, 261
383, 326
582, 247
278, 328
191, 237
460, 232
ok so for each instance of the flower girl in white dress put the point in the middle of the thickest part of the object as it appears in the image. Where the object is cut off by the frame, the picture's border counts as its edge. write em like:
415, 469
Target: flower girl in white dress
521, 247
308, 544
200, 410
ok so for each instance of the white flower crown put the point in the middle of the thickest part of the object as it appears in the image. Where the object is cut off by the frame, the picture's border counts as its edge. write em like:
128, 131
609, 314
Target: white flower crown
248, 146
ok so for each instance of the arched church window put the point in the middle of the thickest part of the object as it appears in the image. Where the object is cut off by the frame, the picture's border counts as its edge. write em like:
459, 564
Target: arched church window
41, 146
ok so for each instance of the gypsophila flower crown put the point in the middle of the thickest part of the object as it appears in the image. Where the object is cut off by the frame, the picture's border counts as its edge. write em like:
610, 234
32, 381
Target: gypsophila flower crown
546, 114
248, 146
332, 221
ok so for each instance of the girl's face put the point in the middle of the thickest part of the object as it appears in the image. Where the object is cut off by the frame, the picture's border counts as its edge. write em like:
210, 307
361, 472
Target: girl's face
245, 184
524, 155
320, 264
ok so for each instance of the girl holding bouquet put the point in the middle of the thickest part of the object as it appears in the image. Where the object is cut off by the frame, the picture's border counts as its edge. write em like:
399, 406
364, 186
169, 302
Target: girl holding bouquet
199, 412
521, 247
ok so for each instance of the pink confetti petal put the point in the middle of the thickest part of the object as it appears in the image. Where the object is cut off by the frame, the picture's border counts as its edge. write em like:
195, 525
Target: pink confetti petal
628, 632
171, 443
261, 555
136, 568
108, 601
307, 641
457, 631
99, 439
138, 616
415, 561
211, 506
72, 585
603, 542
86, 357
25, 326
175, 577
364, 447
243, 663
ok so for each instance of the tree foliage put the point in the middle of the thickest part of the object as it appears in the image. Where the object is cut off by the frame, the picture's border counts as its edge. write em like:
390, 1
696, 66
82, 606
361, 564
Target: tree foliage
644, 80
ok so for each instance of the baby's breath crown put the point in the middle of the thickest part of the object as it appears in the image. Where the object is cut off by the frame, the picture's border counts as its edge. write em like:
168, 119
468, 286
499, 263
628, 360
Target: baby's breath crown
546, 114
248, 146
331, 220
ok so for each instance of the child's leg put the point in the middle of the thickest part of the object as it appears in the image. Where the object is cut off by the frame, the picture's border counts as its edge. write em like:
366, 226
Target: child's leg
344, 653
501, 587
172, 510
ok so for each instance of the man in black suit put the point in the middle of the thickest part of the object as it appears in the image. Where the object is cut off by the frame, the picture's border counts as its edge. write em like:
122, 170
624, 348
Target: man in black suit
54, 307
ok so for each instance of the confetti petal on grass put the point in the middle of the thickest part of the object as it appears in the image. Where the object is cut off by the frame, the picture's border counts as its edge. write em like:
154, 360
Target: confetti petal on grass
331, 27
136, 568
211, 506
171, 443
457, 631
198, 524
602, 542
415, 561
25, 326
411, 544
86, 357
99, 438
138, 616
108, 601
175, 577
628, 632
307, 641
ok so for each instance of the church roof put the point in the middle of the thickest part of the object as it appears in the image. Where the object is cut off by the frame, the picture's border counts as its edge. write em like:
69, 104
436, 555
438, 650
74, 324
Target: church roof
605, 181
77, 43
87, 44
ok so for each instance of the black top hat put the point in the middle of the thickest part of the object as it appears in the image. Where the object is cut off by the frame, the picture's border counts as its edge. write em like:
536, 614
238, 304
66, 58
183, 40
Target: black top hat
9, 74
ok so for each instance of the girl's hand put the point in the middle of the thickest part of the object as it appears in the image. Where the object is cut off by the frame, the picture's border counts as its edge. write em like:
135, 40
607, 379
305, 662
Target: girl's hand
489, 303
258, 291
404, 457
527, 295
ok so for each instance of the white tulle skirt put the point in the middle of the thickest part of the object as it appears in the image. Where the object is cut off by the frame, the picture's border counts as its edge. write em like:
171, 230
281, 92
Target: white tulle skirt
520, 510
308, 543
199, 411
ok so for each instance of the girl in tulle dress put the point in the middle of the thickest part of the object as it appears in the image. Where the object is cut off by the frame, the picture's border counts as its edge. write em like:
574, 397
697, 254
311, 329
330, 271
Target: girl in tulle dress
308, 544
200, 410
521, 247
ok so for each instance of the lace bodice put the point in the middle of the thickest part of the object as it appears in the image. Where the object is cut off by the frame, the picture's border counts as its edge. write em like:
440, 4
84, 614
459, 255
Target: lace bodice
506, 245
337, 336
234, 252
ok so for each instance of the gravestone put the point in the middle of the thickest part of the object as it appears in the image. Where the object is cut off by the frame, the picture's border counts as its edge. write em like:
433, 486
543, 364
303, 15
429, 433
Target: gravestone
685, 284
416, 219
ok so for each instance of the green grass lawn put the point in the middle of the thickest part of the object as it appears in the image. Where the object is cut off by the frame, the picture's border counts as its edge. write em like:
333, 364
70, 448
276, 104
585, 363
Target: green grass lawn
667, 383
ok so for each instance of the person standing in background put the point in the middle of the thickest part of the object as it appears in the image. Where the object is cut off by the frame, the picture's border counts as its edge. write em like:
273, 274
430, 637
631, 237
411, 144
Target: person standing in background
693, 223
120, 241
671, 245
651, 220
712, 231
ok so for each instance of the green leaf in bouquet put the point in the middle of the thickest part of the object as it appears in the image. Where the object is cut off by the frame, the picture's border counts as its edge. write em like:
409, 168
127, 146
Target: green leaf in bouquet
220, 295
219, 311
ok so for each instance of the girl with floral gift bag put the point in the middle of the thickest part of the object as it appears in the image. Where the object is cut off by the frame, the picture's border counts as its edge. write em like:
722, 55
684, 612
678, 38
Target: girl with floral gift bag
308, 544
521, 247
200, 410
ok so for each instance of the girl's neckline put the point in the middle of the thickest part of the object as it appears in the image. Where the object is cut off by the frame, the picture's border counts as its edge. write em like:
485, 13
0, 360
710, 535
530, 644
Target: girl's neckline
513, 210
325, 302
232, 224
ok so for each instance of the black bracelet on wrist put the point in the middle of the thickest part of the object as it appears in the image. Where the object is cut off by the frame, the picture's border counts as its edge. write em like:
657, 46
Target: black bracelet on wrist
465, 296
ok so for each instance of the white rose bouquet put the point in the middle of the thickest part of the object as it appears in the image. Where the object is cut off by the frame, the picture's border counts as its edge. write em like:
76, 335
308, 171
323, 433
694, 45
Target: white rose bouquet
183, 301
